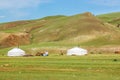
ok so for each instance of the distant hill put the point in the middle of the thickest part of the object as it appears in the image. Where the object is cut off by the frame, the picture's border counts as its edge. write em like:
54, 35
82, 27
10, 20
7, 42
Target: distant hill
113, 18
81, 29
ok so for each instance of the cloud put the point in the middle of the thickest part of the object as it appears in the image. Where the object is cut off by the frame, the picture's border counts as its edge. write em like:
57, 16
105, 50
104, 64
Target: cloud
19, 9
106, 2
2, 17
16, 4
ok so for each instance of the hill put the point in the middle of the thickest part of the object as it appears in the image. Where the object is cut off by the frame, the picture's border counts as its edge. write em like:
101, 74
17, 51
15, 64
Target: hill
62, 31
14, 39
113, 18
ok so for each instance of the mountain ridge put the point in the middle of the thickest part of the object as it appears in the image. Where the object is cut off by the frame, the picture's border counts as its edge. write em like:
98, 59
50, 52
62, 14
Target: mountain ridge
82, 29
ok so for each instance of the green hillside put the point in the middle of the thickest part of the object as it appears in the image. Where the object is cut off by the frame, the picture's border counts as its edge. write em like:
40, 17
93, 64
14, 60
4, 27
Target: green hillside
113, 18
61, 32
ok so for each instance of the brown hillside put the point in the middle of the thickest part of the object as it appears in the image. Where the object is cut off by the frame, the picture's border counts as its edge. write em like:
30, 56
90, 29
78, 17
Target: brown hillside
70, 28
9, 25
15, 39
81, 28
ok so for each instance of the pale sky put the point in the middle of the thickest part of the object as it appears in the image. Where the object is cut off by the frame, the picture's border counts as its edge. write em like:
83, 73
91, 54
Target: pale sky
12, 10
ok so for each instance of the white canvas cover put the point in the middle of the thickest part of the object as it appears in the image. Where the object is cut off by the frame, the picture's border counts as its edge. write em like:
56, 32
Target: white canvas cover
16, 52
76, 51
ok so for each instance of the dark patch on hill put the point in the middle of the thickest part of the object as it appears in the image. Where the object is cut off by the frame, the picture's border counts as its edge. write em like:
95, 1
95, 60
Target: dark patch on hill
15, 39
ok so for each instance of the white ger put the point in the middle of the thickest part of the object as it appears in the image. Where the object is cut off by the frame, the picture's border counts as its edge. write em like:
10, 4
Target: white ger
77, 51
16, 52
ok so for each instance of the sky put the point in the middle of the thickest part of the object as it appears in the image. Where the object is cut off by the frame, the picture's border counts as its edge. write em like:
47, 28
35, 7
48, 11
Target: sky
14, 10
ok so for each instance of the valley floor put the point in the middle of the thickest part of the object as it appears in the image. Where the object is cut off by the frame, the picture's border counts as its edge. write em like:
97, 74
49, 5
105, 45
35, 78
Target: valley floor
54, 67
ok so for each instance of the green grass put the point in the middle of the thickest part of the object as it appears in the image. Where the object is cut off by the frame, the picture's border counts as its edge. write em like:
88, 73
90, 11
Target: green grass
102, 41
110, 17
54, 67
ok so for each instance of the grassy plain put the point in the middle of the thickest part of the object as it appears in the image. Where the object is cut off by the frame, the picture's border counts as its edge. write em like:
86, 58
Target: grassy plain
56, 67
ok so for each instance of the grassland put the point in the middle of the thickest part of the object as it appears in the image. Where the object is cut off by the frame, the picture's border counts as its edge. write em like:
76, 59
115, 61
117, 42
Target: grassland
55, 67
55, 33
113, 18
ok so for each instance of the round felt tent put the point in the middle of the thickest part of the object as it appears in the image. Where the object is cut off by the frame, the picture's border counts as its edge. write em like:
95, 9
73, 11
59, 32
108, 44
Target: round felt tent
16, 52
76, 51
